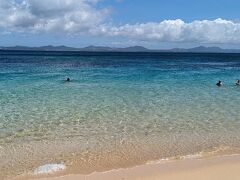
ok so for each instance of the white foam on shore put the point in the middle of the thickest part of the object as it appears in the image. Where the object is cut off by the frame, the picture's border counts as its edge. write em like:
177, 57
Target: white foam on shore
173, 159
49, 168
192, 156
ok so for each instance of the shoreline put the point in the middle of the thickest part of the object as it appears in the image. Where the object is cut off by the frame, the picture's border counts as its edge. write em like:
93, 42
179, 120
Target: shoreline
210, 168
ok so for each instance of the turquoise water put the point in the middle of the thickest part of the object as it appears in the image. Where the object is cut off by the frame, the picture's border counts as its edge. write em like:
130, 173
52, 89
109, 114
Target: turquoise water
120, 109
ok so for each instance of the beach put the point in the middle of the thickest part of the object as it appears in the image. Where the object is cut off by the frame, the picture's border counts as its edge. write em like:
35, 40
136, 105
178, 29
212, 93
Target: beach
118, 111
119, 90
214, 168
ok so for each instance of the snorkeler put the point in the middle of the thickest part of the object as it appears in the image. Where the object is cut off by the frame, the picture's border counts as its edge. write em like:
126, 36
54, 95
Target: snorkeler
238, 82
219, 83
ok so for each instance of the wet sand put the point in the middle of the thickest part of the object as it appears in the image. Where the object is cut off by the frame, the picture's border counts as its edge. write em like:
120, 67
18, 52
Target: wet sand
215, 168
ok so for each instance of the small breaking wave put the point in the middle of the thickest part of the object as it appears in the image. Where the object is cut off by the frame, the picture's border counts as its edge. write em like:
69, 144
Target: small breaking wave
49, 168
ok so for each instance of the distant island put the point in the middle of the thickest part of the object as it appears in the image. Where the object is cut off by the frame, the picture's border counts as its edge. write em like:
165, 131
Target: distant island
200, 49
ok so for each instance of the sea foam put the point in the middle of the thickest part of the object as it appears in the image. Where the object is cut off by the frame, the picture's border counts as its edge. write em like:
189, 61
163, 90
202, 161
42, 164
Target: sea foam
49, 168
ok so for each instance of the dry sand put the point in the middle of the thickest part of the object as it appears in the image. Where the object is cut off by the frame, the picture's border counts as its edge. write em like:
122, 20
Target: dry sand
217, 168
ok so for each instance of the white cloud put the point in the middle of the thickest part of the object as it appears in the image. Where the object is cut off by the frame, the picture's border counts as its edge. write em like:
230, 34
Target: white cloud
84, 17
205, 31
69, 16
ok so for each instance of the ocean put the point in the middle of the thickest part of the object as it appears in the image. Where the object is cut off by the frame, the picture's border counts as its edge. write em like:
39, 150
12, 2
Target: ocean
119, 109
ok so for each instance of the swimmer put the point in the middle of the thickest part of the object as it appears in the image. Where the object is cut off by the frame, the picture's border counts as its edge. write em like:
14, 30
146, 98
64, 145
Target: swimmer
238, 82
219, 83
67, 80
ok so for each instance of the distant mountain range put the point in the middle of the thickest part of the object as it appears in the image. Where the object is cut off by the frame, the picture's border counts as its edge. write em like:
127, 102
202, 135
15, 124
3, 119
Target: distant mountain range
200, 49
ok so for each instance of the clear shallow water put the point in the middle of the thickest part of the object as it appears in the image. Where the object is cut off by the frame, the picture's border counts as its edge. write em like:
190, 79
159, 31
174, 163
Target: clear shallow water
119, 110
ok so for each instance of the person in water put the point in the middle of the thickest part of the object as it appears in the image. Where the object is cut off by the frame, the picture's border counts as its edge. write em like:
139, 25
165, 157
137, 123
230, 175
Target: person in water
219, 83
68, 80
238, 82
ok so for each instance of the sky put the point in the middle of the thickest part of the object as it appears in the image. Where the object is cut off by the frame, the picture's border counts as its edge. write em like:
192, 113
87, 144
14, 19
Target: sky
156, 24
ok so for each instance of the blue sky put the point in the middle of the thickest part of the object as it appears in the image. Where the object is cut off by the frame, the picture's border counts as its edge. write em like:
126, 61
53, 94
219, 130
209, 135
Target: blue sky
132, 11
153, 23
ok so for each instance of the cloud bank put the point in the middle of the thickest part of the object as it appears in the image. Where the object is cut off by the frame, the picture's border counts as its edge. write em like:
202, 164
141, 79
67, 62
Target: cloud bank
205, 31
84, 17
66, 16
